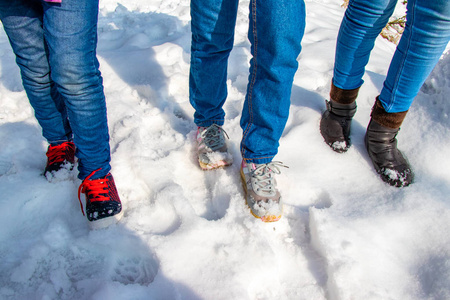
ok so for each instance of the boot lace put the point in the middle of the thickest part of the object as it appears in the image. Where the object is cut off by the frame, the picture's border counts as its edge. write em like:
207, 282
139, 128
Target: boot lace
95, 189
59, 153
263, 176
213, 138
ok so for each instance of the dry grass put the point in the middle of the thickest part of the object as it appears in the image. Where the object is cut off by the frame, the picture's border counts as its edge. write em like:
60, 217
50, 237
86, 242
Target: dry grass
393, 30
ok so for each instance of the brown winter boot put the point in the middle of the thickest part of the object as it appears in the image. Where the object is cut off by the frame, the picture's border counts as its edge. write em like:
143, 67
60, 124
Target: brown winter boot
336, 120
381, 144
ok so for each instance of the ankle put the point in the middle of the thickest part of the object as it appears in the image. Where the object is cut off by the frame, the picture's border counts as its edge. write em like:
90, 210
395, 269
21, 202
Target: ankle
341, 110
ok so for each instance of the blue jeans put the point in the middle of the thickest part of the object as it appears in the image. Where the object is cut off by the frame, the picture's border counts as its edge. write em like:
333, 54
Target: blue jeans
425, 37
275, 32
55, 47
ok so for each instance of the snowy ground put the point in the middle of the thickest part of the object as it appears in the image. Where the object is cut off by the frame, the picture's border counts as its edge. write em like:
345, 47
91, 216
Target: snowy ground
187, 234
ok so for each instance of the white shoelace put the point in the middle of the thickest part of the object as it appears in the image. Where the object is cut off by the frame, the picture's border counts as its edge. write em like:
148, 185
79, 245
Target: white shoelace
263, 175
212, 137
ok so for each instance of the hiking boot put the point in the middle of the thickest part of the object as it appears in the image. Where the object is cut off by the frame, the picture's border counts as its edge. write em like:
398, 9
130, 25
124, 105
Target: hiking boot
60, 157
103, 206
260, 188
335, 125
390, 164
212, 149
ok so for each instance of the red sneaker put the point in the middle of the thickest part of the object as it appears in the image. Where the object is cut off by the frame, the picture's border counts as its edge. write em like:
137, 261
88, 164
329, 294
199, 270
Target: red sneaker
60, 156
103, 206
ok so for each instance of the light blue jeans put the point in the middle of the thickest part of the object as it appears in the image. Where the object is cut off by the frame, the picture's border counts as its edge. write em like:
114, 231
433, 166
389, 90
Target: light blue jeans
425, 37
275, 32
55, 47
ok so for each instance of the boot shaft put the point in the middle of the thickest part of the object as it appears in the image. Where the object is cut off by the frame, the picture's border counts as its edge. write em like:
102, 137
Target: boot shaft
341, 110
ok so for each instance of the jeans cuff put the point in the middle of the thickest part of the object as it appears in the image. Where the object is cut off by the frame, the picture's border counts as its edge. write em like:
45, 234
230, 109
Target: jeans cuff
259, 160
210, 122
59, 142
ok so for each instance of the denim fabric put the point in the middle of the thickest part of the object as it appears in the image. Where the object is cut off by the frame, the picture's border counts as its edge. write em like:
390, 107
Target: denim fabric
275, 32
55, 47
425, 37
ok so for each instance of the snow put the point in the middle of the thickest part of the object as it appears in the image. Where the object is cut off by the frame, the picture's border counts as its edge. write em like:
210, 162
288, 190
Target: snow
186, 233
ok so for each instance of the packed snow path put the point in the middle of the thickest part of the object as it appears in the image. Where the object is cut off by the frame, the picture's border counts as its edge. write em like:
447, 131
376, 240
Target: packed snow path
187, 234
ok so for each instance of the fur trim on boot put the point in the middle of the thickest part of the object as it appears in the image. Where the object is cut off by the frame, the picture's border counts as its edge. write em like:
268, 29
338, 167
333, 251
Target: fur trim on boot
389, 120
